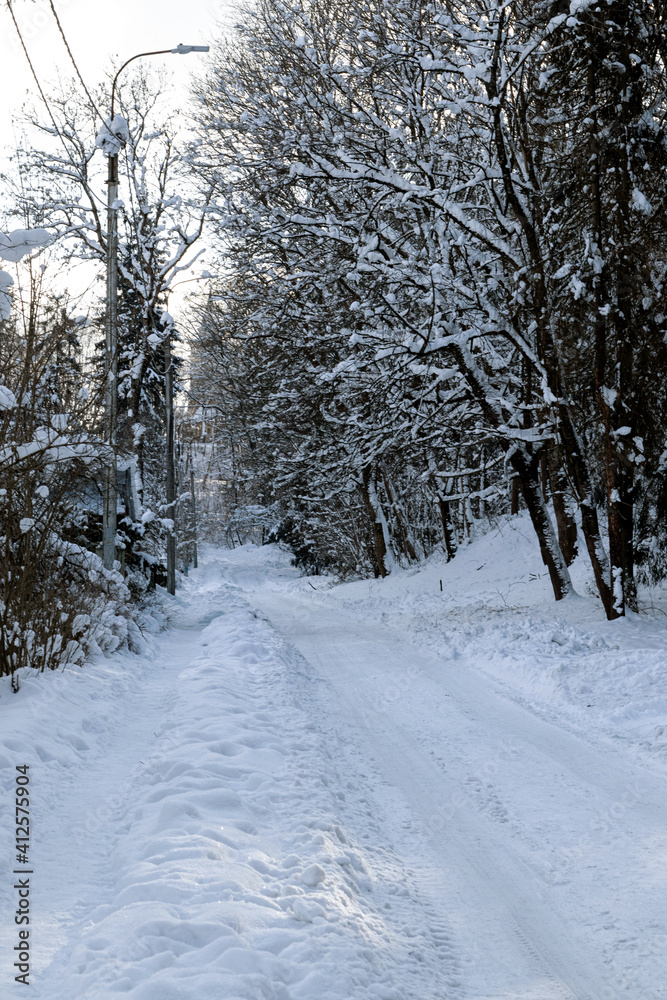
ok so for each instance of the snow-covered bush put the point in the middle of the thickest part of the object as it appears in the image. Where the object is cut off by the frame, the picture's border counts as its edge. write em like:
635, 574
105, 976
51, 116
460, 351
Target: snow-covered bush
57, 602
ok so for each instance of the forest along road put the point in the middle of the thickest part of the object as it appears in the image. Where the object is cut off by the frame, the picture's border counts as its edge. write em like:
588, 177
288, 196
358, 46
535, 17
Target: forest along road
539, 855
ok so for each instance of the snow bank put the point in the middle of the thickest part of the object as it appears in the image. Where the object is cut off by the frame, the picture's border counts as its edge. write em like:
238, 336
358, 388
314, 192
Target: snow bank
496, 613
202, 829
186, 814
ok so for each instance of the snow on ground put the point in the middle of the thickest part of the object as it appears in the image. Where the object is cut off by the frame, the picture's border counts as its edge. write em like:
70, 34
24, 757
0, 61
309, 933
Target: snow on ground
496, 610
379, 789
187, 837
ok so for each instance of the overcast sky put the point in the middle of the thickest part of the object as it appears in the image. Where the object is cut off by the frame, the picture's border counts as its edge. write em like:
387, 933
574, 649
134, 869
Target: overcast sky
97, 31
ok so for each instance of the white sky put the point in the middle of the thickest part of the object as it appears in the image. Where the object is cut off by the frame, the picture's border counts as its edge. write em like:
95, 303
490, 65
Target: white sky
98, 33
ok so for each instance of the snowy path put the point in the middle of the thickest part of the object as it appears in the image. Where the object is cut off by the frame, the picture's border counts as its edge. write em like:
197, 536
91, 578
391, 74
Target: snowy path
191, 834
545, 848
289, 801
541, 852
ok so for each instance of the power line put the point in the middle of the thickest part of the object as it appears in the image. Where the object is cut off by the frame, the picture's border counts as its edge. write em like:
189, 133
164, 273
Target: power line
78, 72
56, 127
35, 77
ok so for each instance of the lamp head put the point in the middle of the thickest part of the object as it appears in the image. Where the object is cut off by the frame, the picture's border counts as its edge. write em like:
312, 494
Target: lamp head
182, 50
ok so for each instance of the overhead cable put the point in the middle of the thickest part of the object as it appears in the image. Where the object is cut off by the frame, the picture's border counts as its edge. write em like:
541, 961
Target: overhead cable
74, 63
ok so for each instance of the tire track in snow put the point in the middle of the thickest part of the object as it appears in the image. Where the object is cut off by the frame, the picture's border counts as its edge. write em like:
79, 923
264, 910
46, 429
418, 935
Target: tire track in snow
512, 902
432, 970
224, 848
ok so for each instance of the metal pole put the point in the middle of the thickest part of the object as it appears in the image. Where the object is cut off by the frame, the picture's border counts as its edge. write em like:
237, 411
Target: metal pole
180, 530
111, 385
194, 518
171, 478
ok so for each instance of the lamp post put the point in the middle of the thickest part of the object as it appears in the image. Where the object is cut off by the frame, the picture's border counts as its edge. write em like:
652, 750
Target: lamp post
194, 518
116, 131
111, 382
171, 469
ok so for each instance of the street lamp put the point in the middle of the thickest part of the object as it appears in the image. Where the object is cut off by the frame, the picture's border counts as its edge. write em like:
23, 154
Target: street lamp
114, 137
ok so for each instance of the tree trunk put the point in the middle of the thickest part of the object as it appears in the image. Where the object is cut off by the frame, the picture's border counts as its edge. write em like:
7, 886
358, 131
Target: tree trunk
446, 518
377, 529
545, 342
544, 476
527, 468
614, 351
406, 543
566, 524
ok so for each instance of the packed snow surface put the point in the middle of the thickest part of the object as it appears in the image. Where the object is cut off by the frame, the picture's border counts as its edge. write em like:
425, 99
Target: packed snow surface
440, 785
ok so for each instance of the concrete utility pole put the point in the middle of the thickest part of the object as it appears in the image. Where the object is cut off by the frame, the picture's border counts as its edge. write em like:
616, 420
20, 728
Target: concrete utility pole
171, 472
111, 366
110, 506
194, 518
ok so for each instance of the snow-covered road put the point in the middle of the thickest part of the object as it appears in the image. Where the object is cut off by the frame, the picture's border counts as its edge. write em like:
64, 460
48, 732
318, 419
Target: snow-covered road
538, 852
296, 797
